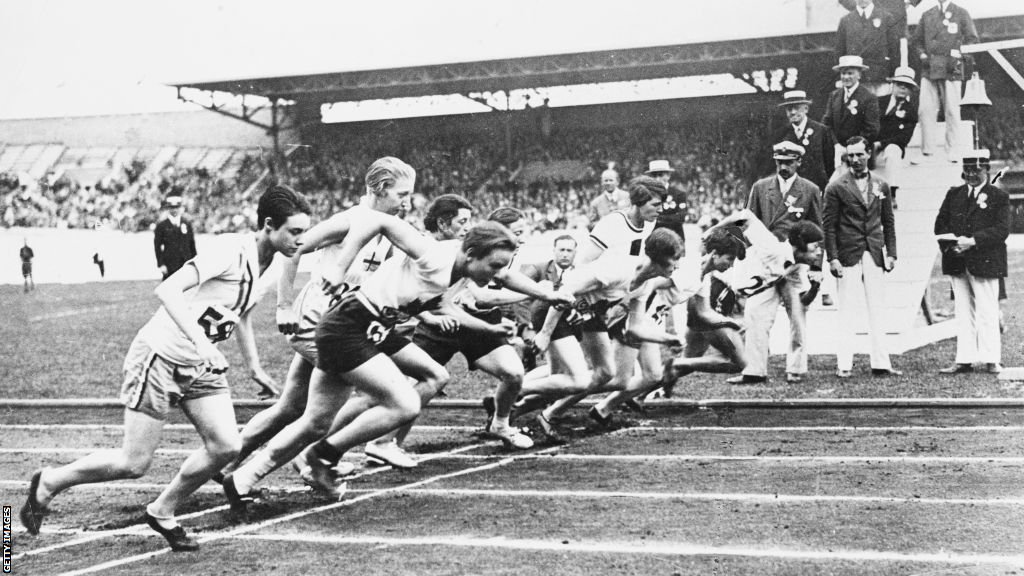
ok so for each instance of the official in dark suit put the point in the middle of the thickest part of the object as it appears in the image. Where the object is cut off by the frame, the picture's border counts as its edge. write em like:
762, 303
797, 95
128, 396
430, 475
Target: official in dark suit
972, 226
174, 239
815, 138
852, 109
873, 34
898, 120
860, 240
779, 202
943, 29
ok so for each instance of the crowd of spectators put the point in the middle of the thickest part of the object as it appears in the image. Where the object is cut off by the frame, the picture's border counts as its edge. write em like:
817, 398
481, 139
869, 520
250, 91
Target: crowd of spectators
715, 164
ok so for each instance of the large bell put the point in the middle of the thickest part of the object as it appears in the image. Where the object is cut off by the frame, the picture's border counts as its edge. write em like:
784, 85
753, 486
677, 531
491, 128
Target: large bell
974, 93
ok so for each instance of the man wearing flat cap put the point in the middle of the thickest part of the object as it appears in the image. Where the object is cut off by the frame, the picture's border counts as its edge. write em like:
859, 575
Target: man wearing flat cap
852, 109
896, 127
815, 138
780, 201
673, 209
174, 239
972, 226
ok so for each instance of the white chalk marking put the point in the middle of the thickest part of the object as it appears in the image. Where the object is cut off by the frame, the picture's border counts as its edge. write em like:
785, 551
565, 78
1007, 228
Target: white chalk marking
661, 549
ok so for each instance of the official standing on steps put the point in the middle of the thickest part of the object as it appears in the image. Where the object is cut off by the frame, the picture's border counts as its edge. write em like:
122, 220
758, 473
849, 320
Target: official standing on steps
972, 226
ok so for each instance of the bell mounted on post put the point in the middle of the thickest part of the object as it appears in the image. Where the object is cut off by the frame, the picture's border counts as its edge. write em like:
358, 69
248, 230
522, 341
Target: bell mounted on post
973, 101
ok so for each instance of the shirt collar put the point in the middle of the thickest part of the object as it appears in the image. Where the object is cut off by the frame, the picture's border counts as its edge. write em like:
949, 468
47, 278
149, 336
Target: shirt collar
799, 128
786, 184
867, 11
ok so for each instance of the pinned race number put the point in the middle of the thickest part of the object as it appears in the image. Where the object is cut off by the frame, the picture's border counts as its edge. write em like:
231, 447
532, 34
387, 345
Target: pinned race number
218, 322
377, 332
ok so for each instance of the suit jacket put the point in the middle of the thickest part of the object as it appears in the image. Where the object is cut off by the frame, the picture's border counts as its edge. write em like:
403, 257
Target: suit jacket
937, 36
847, 119
897, 125
876, 40
898, 9
819, 161
601, 207
853, 227
986, 219
174, 245
802, 202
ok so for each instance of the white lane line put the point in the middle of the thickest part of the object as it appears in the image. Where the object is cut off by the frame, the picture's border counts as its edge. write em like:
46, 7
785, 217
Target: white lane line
715, 458
822, 428
115, 427
142, 529
661, 549
717, 496
850, 459
294, 516
75, 312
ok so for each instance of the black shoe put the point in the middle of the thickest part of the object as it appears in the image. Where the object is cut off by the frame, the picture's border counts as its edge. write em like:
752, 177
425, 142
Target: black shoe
238, 502
549, 431
957, 369
176, 537
747, 379
32, 511
490, 407
594, 415
634, 405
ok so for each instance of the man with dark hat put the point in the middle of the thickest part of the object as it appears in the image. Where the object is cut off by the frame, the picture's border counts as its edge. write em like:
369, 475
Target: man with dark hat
173, 239
815, 138
673, 209
896, 127
852, 109
780, 202
972, 227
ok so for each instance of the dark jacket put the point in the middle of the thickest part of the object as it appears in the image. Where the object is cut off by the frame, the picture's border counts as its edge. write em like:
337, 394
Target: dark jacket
876, 40
897, 126
937, 40
989, 225
767, 203
851, 227
846, 119
174, 245
819, 161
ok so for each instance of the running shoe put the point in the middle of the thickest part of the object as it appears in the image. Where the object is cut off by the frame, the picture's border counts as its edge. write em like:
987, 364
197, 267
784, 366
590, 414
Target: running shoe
32, 511
389, 454
510, 437
319, 476
176, 537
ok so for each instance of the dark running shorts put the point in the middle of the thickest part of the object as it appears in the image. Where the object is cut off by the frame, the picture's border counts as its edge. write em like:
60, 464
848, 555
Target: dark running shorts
26, 268
441, 347
348, 335
562, 329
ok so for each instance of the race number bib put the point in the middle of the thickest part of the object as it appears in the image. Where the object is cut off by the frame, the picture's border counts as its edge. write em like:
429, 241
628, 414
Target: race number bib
218, 322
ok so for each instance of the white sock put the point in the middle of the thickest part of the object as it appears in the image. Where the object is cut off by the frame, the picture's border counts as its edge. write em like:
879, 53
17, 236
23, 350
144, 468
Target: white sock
165, 522
499, 423
256, 469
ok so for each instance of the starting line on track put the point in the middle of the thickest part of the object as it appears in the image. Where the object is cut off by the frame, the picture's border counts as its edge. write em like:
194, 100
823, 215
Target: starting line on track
709, 404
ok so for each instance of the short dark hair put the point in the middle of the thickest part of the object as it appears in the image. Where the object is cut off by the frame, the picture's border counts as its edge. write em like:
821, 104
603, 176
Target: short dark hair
444, 207
486, 237
564, 237
506, 215
663, 245
727, 240
853, 140
279, 203
643, 188
803, 233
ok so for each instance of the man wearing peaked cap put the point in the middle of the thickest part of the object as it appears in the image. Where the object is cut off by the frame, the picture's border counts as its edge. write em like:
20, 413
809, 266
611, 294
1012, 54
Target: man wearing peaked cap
818, 161
174, 238
852, 109
780, 202
896, 127
972, 226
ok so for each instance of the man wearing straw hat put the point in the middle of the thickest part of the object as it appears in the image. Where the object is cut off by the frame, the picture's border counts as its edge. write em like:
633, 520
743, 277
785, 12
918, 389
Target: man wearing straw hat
898, 120
852, 109
815, 138
972, 227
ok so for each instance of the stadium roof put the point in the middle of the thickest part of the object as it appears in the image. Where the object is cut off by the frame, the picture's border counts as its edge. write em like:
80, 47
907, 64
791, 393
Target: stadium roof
453, 46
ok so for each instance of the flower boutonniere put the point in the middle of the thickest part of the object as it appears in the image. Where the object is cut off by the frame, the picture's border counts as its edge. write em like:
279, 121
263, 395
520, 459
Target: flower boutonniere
852, 107
900, 113
669, 203
809, 131
877, 191
983, 200
876, 22
792, 208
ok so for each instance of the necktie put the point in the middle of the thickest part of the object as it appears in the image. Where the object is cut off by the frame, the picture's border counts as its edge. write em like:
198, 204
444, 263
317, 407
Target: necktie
973, 192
